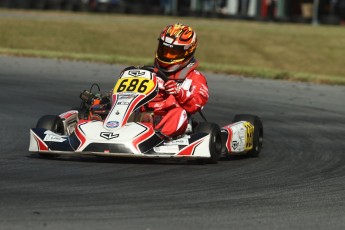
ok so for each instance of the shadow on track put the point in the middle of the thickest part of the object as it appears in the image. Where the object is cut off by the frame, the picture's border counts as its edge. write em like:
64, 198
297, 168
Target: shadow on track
130, 160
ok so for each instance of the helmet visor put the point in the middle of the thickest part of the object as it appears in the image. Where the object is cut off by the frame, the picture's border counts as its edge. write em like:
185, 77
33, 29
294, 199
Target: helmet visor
170, 53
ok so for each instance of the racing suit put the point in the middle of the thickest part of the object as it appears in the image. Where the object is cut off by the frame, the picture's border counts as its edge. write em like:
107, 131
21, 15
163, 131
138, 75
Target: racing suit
173, 110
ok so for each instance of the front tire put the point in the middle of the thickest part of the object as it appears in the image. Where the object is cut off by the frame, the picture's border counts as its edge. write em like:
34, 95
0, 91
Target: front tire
258, 132
52, 123
215, 145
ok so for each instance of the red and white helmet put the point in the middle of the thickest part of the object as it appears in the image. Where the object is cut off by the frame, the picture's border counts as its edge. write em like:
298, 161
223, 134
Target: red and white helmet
176, 46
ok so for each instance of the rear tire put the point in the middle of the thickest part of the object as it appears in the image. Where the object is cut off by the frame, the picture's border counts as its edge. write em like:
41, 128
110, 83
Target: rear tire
258, 132
215, 144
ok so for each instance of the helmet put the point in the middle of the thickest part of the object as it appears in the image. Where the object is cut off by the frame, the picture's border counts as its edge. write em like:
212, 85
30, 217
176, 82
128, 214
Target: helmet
176, 46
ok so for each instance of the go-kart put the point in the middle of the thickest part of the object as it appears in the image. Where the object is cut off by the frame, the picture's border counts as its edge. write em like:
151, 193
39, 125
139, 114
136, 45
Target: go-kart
126, 131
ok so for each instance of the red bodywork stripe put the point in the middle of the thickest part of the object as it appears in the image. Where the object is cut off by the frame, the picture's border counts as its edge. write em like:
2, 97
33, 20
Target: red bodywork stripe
80, 135
189, 150
67, 114
147, 134
130, 109
41, 145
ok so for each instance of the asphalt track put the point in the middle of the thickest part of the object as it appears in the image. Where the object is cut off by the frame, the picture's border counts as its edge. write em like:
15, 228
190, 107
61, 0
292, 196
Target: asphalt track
298, 182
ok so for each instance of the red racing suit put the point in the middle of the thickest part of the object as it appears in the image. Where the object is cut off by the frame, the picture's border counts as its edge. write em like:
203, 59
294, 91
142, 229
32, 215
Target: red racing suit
174, 109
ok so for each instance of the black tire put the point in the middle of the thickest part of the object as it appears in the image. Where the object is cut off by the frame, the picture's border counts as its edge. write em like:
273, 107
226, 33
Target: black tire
258, 132
215, 144
52, 123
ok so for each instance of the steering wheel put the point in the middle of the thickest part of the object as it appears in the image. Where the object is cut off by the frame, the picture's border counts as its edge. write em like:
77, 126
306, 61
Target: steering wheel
157, 71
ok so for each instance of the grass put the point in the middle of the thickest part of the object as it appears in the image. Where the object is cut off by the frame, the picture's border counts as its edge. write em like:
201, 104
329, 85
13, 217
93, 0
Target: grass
267, 50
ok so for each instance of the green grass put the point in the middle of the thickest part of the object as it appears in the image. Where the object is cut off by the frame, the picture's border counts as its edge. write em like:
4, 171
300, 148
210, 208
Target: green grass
278, 51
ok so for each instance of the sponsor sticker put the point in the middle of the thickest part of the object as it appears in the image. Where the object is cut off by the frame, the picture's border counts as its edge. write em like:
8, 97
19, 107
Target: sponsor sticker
112, 124
127, 95
179, 142
53, 137
122, 103
136, 73
166, 149
234, 144
109, 135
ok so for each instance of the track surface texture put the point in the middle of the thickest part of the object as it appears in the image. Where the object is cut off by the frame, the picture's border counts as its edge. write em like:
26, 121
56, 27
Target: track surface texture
298, 182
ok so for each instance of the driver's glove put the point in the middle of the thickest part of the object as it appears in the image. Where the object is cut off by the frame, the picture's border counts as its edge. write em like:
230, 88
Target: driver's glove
172, 88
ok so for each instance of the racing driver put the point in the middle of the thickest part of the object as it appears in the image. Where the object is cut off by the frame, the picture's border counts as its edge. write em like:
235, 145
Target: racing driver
186, 91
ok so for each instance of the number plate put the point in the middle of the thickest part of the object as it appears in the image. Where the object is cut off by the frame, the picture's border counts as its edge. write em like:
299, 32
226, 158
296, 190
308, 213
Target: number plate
134, 84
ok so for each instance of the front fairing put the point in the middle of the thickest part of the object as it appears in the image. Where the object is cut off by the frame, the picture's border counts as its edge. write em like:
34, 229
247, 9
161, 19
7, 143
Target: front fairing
134, 89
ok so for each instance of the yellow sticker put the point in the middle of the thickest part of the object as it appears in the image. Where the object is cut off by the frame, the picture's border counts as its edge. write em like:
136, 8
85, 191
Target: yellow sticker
249, 136
134, 84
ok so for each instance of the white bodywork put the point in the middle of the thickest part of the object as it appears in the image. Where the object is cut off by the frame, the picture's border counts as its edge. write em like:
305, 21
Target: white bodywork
118, 135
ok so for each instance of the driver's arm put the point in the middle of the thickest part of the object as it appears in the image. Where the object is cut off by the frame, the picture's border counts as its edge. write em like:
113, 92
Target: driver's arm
194, 92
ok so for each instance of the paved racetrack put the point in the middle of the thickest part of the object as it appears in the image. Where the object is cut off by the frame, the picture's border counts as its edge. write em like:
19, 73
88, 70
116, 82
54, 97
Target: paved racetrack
298, 182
